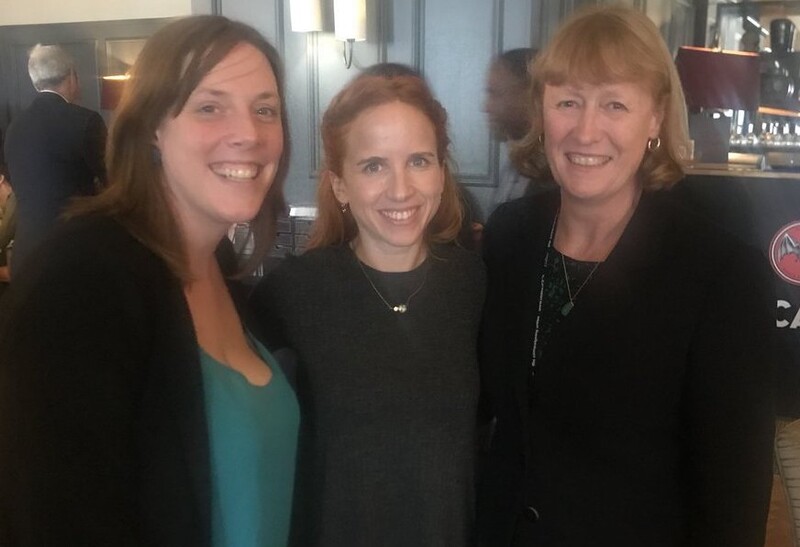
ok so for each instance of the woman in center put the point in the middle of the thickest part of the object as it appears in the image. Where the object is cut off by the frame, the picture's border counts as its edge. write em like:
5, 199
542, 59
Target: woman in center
383, 312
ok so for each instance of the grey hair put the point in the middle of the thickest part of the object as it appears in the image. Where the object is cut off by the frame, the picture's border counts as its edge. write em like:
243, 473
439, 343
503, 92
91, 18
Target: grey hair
48, 66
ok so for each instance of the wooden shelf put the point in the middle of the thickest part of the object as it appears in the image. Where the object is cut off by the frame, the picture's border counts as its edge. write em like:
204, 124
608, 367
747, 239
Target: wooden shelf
769, 111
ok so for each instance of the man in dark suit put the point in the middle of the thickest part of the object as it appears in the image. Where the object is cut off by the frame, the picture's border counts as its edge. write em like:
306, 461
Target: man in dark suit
54, 149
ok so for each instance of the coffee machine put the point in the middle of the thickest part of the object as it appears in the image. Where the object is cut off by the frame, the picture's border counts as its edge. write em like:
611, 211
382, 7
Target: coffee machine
780, 68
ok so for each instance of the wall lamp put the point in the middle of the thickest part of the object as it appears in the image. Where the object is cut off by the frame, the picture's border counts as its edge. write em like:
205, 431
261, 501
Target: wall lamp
306, 15
349, 21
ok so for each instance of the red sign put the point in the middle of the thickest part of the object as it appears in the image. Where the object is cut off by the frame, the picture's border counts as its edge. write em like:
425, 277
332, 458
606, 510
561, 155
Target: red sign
784, 253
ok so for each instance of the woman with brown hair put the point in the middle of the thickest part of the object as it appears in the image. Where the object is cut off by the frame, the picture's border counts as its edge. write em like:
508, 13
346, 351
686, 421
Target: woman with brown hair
626, 342
135, 406
383, 312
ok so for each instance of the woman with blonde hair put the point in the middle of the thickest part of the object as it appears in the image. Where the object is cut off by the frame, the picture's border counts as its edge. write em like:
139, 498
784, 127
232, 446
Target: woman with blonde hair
136, 408
383, 313
626, 343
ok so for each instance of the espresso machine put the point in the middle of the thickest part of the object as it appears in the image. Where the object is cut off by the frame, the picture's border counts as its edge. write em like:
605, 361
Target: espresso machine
780, 89
780, 68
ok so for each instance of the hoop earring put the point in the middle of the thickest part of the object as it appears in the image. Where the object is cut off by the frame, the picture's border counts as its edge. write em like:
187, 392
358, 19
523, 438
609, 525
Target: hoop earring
653, 144
344, 207
541, 139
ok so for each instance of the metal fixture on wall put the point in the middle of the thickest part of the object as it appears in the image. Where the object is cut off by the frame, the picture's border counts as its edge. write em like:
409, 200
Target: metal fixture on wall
350, 22
306, 15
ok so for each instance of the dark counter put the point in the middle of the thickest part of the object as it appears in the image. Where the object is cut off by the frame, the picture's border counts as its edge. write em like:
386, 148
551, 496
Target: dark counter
762, 208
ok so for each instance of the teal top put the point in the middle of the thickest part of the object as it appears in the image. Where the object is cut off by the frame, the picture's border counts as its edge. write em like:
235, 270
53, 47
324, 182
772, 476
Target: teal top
253, 440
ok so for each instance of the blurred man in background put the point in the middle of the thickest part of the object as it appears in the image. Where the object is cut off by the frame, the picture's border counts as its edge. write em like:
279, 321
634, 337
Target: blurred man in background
54, 149
507, 105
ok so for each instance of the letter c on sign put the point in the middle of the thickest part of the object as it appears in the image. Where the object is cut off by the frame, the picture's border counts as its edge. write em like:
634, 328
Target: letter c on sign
782, 323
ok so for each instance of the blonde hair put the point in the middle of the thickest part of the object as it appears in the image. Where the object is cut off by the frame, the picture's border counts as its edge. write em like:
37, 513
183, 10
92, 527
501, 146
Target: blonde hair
333, 227
612, 44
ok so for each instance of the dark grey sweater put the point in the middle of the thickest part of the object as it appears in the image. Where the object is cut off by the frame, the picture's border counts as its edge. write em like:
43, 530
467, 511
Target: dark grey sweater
388, 400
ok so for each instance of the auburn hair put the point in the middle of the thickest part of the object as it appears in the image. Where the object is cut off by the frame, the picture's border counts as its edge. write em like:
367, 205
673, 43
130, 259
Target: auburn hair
332, 226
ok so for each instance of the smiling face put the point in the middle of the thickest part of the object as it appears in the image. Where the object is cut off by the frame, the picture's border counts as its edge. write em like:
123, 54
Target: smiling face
392, 179
221, 152
595, 137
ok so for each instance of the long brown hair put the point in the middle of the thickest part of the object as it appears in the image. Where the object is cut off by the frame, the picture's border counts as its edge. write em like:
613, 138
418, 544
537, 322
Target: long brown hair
171, 65
611, 44
333, 227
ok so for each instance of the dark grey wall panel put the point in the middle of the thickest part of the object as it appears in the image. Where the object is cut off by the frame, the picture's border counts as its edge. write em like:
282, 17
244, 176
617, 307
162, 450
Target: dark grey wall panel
87, 65
457, 52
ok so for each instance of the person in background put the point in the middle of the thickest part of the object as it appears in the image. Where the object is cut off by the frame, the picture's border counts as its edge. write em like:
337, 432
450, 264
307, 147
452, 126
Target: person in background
751, 38
626, 344
136, 408
8, 225
54, 149
508, 108
383, 312
507, 102
390, 70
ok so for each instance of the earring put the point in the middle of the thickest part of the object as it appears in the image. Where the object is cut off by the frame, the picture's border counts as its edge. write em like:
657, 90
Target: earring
344, 207
653, 144
541, 138
155, 155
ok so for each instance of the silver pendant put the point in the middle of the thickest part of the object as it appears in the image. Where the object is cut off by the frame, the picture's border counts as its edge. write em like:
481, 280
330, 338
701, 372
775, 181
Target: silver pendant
400, 308
566, 308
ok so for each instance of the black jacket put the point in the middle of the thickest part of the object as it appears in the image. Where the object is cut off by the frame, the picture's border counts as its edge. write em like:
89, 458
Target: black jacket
103, 433
650, 420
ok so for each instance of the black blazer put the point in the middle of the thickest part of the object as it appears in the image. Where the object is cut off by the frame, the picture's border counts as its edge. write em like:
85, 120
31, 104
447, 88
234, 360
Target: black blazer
103, 433
54, 151
650, 418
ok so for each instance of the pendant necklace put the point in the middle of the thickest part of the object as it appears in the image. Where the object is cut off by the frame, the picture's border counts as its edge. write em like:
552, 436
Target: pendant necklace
566, 308
398, 308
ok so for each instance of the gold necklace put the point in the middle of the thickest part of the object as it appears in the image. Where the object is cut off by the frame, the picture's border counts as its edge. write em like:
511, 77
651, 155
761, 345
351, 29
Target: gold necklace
399, 308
